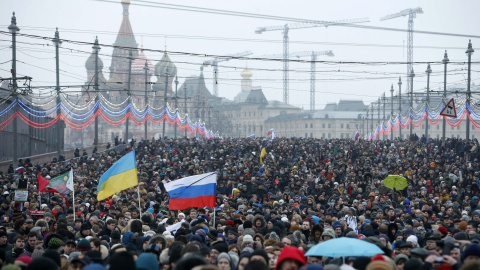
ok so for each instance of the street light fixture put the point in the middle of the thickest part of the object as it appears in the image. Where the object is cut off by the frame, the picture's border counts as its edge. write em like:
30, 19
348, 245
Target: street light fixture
445, 62
469, 53
13, 29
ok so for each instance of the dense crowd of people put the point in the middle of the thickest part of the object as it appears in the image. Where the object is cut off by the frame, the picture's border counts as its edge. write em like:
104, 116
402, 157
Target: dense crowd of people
267, 216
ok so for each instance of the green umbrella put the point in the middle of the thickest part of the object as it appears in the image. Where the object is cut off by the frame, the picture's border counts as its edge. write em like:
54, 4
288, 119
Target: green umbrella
395, 182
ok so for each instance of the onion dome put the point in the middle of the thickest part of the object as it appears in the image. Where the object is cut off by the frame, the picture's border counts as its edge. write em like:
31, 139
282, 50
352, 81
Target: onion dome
138, 64
163, 64
246, 73
90, 64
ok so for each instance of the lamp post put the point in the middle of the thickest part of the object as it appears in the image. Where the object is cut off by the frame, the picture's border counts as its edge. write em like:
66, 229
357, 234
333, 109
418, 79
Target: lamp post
130, 58
185, 107
57, 42
400, 106
165, 101
391, 113
428, 71
445, 62
469, 52
96, 48
13, 29
383, 119
412, 75
146, 95
176, 107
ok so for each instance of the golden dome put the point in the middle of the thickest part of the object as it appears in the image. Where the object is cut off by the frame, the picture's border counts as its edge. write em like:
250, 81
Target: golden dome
246, 73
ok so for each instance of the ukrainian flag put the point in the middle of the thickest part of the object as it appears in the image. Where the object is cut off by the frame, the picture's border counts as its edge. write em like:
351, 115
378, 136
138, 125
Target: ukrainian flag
263, 152
122, 175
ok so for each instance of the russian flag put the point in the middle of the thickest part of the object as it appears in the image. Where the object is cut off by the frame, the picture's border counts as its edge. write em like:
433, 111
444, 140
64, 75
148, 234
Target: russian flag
270, 133
193, 191
251, 136
357, 135
20, 169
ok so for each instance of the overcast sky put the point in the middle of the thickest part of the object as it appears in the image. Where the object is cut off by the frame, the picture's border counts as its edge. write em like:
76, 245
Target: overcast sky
213, 34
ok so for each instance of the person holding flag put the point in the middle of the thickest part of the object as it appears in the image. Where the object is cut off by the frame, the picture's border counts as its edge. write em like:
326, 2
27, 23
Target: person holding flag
263, 152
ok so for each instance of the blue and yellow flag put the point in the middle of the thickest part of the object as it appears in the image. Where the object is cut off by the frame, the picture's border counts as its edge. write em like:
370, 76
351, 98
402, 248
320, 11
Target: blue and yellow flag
263, 152
122, 175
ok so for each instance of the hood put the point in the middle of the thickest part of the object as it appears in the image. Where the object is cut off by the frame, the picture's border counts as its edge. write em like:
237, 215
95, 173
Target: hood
406, 201
290, 253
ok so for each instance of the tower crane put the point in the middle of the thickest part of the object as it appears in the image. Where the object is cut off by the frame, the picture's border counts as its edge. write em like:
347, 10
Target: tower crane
214, 63
313, 59
412, 14
308, 24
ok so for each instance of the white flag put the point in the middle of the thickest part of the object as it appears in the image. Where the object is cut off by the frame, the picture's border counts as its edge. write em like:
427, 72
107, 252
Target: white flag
70, 180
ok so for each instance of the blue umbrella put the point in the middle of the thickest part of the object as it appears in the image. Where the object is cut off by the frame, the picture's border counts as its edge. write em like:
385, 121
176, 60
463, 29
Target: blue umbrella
342, 247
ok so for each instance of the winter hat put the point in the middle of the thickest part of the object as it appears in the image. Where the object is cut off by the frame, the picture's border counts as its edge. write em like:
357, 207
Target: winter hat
247, 239
83, 245
127, 238
462, 225
196, 237
122, 260
472, 250
23, 260
221, 247
202, 233
52, 254
379, 265
413, 239
260, 252
336, 224
115, 235
41, 264
85, 226
329, 232
11, 267
461, 236
55, 243
212, 234
443, 231
94, 266
226, 256
147, 261
247, 224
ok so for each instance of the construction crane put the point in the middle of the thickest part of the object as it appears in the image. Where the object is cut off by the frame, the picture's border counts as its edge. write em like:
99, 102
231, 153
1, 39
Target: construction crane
313, 59
412, 14
214, 63
287, 27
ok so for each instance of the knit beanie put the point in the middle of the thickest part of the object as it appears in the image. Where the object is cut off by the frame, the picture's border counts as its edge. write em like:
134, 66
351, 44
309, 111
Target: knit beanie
52, 254
127, 238
122, 260
55, 243
83, 245
462, 225
443, 231
147, 261
42, 263
472, 250
379, 265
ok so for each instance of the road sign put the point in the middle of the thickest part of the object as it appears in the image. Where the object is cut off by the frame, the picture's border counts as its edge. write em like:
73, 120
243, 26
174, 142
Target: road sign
449, 110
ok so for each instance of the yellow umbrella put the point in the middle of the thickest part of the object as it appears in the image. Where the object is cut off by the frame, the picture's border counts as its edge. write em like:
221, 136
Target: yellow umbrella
395, 182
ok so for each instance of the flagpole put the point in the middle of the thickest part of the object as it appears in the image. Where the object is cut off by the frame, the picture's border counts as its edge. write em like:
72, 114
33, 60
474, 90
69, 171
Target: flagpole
139, 206
73, 203
214, 210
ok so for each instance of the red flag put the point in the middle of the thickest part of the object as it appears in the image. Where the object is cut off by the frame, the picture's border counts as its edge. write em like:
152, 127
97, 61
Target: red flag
42, 183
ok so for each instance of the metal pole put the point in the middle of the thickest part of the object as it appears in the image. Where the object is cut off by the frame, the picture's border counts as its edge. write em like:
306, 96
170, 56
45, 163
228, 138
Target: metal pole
391, 113
13, 28
185, 107
469, 94
400, 106
378, 112
96, 48
371, 122
312, 81
445, 62
412, 74
428, 71
368, 137
58, 42
285, 64
383, 121
176, 107
128, 93
165, 100
146, 97
215, 77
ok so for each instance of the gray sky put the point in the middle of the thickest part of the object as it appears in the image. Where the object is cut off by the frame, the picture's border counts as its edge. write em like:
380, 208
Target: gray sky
194, 32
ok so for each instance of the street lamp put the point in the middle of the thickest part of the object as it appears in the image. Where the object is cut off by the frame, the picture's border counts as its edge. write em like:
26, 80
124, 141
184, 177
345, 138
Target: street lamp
176, 107
400, 106
13, 29
412, 75
445, 62
57, 42
428, 71
391, 113
469, 52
